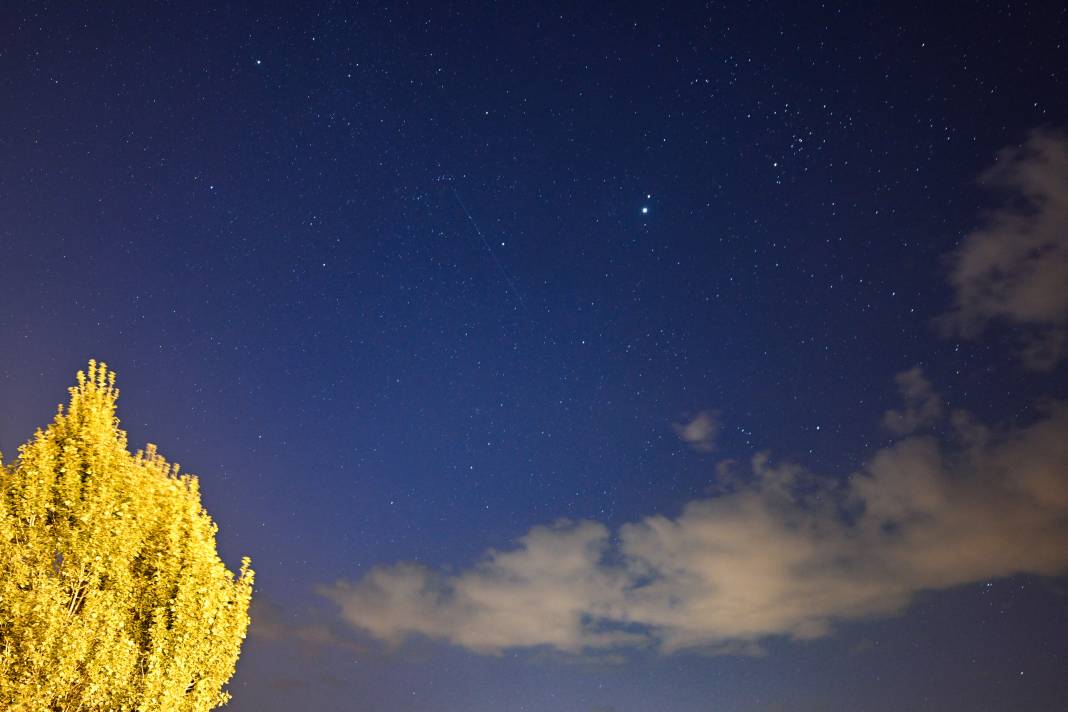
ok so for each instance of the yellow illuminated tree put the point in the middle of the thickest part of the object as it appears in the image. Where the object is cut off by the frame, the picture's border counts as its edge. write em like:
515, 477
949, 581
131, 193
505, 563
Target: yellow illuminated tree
112, 595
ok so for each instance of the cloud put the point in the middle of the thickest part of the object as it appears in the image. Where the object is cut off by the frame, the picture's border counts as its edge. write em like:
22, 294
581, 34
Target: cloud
922, 406
552, 589
779, 552
701, 432
269, 622
1014, 269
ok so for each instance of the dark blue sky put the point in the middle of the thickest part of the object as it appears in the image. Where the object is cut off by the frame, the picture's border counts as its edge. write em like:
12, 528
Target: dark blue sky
401, 282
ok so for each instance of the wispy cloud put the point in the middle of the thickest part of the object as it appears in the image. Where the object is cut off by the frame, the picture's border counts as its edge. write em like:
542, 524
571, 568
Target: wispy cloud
701, 432
782, 552
921, 405
270, 622
1014, 269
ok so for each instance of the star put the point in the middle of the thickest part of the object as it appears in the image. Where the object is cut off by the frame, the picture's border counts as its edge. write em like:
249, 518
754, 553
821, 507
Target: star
645, 210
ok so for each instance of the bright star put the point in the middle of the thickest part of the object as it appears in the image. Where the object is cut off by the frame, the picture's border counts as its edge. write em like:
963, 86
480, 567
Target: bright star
645, 210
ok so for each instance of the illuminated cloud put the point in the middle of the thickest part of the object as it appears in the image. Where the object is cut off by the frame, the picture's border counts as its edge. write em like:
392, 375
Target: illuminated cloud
701, 432
779, 552
1014, 269
922, 406
550, 590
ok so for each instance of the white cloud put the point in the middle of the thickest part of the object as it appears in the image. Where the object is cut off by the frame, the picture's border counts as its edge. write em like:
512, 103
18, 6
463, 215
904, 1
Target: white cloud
781, 552
550, 590
1014, 269
701, 432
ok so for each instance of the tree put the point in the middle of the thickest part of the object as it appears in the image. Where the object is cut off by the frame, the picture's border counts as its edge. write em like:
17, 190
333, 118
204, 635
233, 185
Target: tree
112, 594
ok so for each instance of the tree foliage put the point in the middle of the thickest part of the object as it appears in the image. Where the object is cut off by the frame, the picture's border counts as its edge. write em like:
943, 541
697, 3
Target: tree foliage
112, 594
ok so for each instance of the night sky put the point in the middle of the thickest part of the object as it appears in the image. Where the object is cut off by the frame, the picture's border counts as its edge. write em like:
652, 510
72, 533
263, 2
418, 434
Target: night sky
573, 358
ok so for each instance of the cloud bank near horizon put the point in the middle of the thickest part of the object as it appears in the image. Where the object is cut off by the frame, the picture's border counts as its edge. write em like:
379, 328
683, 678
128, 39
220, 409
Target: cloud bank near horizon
781, 551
